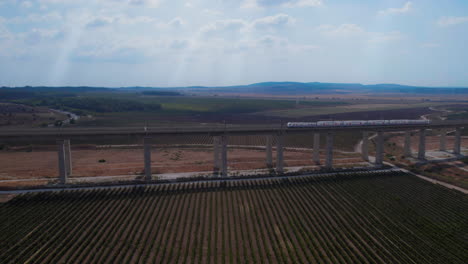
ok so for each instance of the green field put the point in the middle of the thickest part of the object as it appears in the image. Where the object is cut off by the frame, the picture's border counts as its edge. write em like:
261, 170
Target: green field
374, 218
347, 108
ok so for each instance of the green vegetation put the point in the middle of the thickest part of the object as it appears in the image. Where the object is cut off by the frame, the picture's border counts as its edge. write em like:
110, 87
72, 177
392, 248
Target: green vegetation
165, 102
379, 218
161, 93
99, 105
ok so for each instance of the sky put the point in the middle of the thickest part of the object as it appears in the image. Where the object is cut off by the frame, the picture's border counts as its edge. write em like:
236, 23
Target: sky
163, 43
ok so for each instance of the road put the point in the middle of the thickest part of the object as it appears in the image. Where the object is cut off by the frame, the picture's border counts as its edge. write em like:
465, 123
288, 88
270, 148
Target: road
328, 174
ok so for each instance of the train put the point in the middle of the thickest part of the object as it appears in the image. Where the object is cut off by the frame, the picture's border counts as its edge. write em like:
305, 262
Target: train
357, 123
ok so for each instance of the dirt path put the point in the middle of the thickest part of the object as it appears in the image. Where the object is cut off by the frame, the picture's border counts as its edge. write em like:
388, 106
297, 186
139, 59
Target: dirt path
358, 149
447, 185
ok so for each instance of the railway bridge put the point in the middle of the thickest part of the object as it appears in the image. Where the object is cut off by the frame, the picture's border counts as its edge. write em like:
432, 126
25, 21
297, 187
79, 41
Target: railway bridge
220, 139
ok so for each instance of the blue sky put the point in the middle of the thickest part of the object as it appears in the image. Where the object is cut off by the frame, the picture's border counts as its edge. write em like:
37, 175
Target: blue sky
226, 42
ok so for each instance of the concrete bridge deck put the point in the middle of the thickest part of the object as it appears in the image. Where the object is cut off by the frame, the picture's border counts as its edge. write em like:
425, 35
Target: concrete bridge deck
71, 133
221, 133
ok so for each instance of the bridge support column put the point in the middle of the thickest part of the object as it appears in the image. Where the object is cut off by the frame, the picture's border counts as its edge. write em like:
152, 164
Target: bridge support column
217, 155
63, 176
379, 149
457, 143
329, 151
316, 154
147, 156
269, 151
443, 140
365, 146
407, 144
422, 144
224, 164
279, 154
68, 158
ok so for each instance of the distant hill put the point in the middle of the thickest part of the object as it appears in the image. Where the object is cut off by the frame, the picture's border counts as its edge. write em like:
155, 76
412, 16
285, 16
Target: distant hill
274, 88
298, 88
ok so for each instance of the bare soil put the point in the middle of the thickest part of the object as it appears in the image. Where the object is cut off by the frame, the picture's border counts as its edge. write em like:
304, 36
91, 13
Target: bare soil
41, 164
453, 172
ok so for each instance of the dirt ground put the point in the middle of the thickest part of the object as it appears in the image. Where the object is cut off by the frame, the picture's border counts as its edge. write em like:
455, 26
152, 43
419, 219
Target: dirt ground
453, 172
432, 142
42, 164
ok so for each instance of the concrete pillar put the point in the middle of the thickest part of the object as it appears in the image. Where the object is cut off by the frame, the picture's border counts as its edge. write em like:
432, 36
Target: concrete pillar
269, 152
379, 148
68, 158
316, 154
61, 162
422, 144
147, 154
365, 146
457, 143
279, 154
217, 155
443, 140
407, 145
224, 165
329, 151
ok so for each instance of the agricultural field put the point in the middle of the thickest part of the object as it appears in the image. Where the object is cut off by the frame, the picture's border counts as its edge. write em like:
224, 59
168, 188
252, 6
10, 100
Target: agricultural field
27, 116
386, 217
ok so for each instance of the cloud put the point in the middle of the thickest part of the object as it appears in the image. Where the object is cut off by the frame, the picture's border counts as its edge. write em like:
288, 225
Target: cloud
281, 3
147, 3
408, 6
176, 22
35, 18
343, 30
178, 44
37, 35
451, 21
99, 22
237, 26
228, 26
136, 3
272, 22
353, 31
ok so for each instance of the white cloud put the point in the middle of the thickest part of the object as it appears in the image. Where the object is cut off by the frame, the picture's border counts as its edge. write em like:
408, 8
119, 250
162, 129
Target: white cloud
281, 3
148, 3
178, 44
450, 21
212, 12
408, 6
37, 35
229, 26
35, 18
353, 31
343, 30
136, 3
103, 21
176, 22
99, 22
272, 22
237, 26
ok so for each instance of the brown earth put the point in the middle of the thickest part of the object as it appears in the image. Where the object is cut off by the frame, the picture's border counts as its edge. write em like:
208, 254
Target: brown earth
42, 164
453, 172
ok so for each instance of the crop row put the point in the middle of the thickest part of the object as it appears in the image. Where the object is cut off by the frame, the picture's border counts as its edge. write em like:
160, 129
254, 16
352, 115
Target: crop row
375, 218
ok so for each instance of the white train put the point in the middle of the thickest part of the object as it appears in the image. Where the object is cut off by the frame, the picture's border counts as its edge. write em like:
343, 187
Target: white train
356, 123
